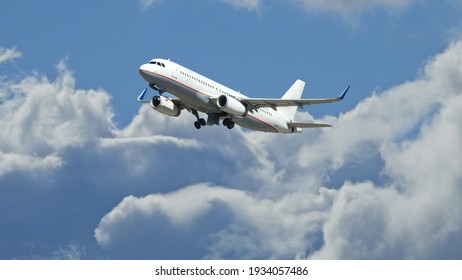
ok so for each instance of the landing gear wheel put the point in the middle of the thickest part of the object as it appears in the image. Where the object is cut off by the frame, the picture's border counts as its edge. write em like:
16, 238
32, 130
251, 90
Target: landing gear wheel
200, 121
228, 123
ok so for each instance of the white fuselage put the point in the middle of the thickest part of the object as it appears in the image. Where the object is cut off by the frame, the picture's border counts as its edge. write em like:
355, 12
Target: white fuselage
200, 93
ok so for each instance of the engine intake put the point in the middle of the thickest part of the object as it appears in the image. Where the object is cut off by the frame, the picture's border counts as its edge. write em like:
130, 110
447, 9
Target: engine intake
231, 105
165, 106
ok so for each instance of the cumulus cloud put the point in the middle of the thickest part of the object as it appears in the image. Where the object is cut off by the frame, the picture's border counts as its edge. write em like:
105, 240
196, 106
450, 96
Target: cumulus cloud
383, 183
43, 120
9, 54
414, 213
418, 214
10, 162
53, 113
40, 117
313, 197
244, 223
61, 157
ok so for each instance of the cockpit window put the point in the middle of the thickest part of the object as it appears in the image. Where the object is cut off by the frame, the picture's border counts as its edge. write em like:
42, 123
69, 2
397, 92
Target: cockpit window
157, 63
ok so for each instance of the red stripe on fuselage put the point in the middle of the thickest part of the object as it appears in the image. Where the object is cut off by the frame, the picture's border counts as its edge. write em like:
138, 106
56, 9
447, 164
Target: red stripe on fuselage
263, 122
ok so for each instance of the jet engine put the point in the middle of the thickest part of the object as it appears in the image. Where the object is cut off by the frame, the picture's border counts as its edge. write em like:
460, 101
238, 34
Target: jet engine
296, 130
231, 105
165, 106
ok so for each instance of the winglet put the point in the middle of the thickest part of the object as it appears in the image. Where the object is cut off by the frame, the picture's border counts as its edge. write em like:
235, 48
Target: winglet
141, 96
344, 93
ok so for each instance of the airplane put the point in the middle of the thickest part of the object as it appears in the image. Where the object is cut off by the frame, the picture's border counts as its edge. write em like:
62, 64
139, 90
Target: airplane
197, 93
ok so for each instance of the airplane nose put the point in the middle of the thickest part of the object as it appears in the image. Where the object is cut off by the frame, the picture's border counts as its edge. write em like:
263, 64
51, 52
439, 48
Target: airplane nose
143, 67
144, 72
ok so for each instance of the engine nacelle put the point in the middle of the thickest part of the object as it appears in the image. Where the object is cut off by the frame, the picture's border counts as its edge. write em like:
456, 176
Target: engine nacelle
296, 130
165, 106
231, 105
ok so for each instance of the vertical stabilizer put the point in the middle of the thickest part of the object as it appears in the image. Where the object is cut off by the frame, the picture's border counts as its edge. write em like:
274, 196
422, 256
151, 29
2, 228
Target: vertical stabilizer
294, 92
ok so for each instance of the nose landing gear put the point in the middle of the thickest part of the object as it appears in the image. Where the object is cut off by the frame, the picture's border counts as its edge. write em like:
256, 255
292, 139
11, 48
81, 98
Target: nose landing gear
158, 88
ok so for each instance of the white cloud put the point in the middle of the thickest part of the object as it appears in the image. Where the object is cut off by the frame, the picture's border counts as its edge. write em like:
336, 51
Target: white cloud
9, 54
10, 162
383, 118
40, 117
273, 228
383, 183
417, 214
352, 8
69, 252
406, 206
251, 5
346, 9
148, 140
146, 4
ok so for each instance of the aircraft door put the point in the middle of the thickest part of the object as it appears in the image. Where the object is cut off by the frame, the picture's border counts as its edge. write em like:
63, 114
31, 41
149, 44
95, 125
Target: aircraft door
175, 73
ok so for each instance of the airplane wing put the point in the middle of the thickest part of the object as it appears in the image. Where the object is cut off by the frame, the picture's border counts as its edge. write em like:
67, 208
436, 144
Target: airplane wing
180, 104
273, 103
307, 125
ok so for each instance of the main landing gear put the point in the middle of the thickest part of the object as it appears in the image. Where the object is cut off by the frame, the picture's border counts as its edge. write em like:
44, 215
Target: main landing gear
200, 121
228, 123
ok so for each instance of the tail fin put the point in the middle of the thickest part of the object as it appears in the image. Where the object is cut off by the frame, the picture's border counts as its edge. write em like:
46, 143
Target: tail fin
294, 92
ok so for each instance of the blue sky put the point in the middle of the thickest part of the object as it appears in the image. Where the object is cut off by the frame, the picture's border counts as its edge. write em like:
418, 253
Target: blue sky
85, 172
260, 52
